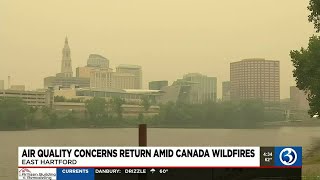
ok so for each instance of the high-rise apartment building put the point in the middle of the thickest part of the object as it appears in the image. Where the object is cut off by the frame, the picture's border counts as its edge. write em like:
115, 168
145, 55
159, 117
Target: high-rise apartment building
132, 69
255, 79
226, 91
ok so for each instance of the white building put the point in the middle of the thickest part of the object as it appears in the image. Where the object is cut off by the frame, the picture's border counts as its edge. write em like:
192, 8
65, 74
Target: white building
105, 78
132, 69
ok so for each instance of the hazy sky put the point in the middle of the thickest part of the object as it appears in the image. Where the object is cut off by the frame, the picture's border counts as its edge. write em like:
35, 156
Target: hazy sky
168, 38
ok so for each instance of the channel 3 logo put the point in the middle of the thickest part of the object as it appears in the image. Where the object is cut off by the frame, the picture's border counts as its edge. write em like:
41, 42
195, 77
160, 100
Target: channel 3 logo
288, 156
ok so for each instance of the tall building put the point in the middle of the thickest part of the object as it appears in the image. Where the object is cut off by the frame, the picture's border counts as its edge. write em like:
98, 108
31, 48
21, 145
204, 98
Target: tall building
105, 78
255, 79
123, 81
157, 85
65, 78
193, 88
132, 69
66, 65
101, 78
298, 99
226, 91
96, 60
1, 84
84, 72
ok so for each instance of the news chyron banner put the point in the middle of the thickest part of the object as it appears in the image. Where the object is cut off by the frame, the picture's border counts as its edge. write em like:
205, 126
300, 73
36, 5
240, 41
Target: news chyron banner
95, 163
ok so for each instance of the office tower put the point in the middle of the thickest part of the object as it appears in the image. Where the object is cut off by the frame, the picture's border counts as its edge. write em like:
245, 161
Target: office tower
132, 69
255, 79
105, 78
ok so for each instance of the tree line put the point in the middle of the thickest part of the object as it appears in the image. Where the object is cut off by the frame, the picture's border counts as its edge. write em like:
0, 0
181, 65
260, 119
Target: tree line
16, 115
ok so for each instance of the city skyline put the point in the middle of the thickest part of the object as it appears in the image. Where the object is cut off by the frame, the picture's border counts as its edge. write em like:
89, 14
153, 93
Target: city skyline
194, 41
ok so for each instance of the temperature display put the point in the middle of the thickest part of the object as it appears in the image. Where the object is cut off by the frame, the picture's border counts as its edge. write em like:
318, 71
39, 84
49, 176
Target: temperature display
163, 171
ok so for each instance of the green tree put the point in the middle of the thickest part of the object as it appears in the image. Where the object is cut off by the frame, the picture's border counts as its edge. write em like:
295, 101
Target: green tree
45, 121
314, 8
31, 115
141, 118
307, 72
13, 113
96, 109
146, 103
116, 105
306, 62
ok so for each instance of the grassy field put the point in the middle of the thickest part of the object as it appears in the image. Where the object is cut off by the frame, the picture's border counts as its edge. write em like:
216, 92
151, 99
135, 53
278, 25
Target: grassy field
311, 162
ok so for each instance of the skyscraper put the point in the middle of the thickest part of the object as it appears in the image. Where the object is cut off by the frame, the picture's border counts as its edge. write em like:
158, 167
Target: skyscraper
66, 65
132, 69
255, 79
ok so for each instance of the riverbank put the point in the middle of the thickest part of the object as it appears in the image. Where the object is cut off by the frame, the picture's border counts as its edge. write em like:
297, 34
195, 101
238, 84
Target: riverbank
311, 160
135, 125
300, 123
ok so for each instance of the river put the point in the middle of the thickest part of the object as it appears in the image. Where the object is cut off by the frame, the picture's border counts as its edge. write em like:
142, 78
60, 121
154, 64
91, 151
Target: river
11, 140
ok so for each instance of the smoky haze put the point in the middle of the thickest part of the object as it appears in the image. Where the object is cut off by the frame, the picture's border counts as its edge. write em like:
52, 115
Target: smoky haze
168, 38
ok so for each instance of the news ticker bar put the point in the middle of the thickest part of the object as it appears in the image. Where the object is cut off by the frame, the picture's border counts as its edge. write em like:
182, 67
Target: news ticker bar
86, 157
159, 174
